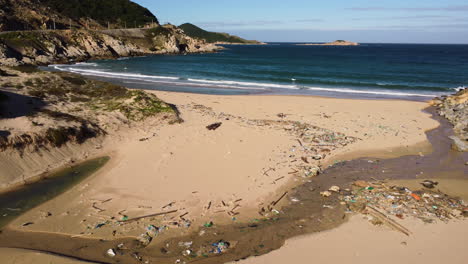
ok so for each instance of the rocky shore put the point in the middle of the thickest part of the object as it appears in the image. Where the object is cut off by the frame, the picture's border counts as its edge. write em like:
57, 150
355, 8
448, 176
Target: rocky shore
68, 46
455, 109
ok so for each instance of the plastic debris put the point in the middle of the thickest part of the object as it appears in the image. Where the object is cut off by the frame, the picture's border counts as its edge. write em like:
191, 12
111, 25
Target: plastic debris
326, 194
220, 247
110, 252
415, 196
144, 239
208, 224
101, 225
334, 189
401, 202
152, 231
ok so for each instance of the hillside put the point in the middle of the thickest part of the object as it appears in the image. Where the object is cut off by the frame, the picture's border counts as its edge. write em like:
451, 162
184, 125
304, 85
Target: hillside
96, 14
213, 37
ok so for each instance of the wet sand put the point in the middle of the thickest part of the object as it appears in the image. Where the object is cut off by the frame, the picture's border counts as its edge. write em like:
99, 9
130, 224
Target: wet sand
252, 237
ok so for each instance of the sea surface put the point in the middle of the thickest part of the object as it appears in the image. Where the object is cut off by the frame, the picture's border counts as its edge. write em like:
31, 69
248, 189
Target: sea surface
408, 71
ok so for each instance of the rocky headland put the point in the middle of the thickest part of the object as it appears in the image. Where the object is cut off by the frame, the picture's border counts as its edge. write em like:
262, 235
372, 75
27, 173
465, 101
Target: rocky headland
68, 46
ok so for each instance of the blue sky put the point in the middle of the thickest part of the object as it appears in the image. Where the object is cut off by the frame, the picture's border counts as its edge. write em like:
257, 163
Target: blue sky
395, 21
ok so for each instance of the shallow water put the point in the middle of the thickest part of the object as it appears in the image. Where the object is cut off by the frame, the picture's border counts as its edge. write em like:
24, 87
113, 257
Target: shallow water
17, 202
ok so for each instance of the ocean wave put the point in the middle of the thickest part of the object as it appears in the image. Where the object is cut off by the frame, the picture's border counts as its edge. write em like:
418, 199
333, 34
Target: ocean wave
459, 88
246, 84
180, 81
86, 64
113, 74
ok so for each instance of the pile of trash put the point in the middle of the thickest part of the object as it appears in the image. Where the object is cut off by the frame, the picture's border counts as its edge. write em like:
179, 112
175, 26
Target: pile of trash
401, 202
215, 248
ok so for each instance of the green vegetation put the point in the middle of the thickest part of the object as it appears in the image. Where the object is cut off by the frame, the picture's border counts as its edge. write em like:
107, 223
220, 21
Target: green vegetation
158, 31
26, 69
211, 37
103, 11
136, 105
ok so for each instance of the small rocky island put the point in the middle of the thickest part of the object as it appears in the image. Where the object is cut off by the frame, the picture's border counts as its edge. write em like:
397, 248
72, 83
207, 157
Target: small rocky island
334, 43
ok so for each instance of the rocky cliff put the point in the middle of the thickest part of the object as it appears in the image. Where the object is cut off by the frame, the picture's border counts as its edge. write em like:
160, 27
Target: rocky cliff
64, 46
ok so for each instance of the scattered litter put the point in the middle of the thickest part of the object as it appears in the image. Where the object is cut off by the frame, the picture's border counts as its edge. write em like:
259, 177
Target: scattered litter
401, 202
326, 194
334, 189
28, 224
220, 247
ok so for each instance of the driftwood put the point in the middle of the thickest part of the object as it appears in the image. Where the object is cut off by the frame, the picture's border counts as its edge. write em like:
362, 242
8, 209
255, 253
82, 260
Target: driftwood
386, 220
182, 216
279, 199
97, 208
214, 126
146, 216
168, 205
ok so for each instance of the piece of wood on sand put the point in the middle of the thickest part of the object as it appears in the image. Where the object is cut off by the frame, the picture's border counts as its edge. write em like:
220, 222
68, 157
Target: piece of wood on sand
386, 220
146, 216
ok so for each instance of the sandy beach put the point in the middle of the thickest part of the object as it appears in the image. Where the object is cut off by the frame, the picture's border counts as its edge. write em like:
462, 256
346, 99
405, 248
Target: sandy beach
226, 175
187, 166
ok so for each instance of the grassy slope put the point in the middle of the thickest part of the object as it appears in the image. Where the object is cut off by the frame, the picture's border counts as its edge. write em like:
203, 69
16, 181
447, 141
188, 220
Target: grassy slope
211, 37
114, 11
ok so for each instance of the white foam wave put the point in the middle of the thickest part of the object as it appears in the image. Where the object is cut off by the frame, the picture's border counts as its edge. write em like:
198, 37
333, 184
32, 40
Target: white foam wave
232, 84
246, 84
121, 75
